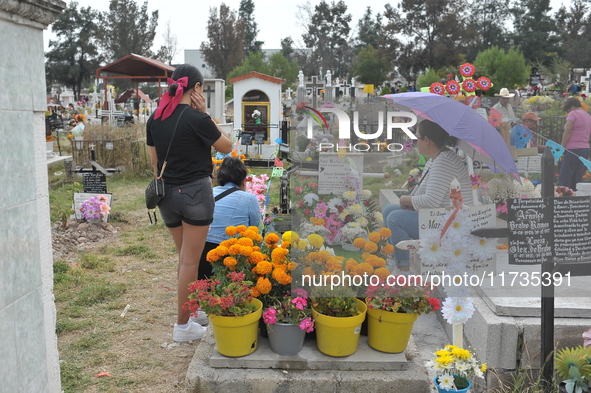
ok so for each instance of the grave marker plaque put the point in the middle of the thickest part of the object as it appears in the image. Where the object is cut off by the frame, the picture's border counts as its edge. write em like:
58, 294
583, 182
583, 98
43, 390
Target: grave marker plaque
259, 138
94, 182
246, 138
337, 174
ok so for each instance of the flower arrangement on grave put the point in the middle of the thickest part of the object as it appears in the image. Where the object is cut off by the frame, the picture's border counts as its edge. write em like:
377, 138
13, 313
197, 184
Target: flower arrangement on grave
258, 185
573, 366
228, 297
49, 138
414, 176
402, 294
70, 136
543, 105
291, 309
376, 250
95, 207
499, 189
562, 191
455, 367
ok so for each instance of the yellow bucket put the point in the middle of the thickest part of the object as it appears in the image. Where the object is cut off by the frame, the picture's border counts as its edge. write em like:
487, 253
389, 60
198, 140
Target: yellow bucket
237, 336
389, 331
338, 336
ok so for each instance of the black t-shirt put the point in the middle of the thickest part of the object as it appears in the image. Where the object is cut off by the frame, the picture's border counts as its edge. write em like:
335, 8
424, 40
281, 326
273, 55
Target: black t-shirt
190, 153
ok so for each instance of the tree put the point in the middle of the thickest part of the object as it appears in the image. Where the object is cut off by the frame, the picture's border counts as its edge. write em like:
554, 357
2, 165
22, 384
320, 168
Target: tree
125, 29
224, 50
429, 77
370, 67
486, 26
505, 69
557, 73
245, 12
327, 35
169, 50
277, 65
535, 31
576, 27
436, 37
369, 30
73, 57
287, 48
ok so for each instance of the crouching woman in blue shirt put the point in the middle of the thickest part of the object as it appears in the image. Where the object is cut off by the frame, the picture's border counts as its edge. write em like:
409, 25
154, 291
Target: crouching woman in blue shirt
235, 207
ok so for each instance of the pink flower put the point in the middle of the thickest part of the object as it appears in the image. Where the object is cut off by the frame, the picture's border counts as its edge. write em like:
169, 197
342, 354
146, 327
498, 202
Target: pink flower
299, 190
300, 303
269, 316
320, 210
587, 338
502, 208
300, 292
307, 325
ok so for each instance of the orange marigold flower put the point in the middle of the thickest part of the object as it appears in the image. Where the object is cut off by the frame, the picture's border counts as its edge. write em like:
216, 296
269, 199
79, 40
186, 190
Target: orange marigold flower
231, 230
256, 248
365, 255
359, 242
253, 228
323, 255
212, 256
291, 266
250, 235
263, 268
308, 271
351, 264
334, 265
264, 285
246, 250
235, 249
387, 248
370, 247
229, 242
255, 292
376, 261
271, 238
244, 241
382, 273
281, 277
230, 262
241, 228
385, 232
279, 254
285, 244
256, 257
364, 268
375, 237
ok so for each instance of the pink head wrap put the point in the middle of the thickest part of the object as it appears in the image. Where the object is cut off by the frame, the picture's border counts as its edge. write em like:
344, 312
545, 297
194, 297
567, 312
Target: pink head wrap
168, 104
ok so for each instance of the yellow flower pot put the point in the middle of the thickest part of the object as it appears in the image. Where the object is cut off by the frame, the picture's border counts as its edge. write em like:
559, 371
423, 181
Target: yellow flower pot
338, 336
237, 336
389, 331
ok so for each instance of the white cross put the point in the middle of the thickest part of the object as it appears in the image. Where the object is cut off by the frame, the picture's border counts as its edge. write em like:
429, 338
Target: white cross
288, 92
91, 146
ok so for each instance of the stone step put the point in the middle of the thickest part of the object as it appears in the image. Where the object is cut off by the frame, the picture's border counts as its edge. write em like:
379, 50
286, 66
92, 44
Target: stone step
202, 377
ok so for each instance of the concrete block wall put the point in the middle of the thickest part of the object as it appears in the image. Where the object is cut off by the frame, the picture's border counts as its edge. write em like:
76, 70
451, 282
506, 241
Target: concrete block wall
28, 344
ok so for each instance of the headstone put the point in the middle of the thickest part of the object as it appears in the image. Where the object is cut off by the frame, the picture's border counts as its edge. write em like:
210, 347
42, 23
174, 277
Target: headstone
339, 174
246, 138
260, 137
315, 87
94, 182
483, 216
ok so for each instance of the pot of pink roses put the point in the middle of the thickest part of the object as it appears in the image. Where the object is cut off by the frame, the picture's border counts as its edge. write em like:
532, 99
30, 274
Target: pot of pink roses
288, 320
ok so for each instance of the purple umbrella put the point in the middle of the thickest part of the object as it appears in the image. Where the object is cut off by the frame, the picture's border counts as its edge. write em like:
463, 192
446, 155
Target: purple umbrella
478, 138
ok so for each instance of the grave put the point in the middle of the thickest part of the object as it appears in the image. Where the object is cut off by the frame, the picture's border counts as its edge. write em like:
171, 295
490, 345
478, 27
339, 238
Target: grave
310, 371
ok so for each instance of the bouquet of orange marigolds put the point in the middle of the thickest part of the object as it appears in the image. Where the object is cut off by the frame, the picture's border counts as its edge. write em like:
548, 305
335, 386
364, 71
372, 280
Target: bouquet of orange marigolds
376, 251
264, 262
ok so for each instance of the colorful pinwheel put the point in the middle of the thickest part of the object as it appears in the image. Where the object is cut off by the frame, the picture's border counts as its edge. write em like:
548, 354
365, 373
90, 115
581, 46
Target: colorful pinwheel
483, 83
452, 87
467, 70
316, 115
437, 88
469, 85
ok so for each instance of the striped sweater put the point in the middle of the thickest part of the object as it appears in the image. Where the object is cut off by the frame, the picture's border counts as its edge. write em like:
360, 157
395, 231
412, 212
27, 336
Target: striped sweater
434, 190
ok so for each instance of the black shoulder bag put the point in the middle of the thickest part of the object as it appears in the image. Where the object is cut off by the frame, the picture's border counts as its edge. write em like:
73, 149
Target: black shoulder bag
155, 190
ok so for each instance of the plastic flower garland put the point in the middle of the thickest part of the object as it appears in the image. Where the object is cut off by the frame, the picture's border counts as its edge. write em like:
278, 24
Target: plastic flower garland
455, 366
95, 208
483, 83
452, 87
469, 85
467, 70
437, 88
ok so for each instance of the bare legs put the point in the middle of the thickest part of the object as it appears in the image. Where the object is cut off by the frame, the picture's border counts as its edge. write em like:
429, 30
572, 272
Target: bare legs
189, 240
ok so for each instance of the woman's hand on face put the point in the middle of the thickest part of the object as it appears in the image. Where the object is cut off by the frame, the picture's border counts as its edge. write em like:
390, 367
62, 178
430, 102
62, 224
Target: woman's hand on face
198, 101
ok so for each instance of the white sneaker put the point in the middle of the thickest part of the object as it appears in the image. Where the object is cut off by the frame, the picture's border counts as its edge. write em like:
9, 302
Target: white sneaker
201, 318
192, 332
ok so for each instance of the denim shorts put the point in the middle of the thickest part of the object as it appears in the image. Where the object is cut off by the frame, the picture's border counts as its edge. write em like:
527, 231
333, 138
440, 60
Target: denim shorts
191, 203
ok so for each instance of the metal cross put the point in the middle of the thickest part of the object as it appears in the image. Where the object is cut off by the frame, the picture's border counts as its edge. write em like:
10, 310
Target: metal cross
314, 85
209, 91
91, 146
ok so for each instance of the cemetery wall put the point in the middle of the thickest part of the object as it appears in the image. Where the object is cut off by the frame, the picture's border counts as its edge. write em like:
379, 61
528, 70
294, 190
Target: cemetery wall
28, 343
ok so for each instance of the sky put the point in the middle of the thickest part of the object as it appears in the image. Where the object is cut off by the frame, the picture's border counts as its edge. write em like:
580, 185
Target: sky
275, 19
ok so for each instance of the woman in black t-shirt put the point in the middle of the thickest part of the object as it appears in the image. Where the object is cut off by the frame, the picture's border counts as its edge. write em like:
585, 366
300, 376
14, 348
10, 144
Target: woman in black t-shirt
188, 205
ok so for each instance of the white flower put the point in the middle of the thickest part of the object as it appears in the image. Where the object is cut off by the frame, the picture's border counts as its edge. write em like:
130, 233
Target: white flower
430, 250
333, 204
350, 195
482, 248
311, 198
446, 381
379, 218
365, 194
460, 226
457, 310
356, 210
458, 250
414, 172
362, 221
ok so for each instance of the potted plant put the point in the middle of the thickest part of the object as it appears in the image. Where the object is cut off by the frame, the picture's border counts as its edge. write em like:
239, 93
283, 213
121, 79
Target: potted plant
455, 367
338, 315
233, 312
573, 367
288, 320
95, 208
393, 307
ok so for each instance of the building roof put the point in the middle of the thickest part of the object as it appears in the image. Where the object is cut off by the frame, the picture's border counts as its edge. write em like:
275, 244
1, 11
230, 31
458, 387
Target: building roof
258, 75
137, 68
